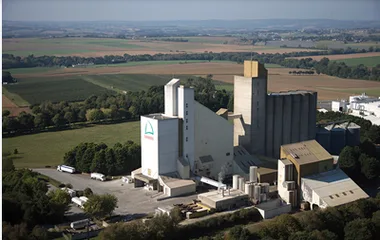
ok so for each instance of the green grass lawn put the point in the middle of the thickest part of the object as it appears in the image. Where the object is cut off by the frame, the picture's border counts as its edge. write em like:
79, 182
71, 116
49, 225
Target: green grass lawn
366, 61
31, 70
54, 89
39, 150
272, 65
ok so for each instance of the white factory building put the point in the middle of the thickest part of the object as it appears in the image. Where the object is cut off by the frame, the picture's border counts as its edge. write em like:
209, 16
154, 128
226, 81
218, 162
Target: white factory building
188, 139
360, 106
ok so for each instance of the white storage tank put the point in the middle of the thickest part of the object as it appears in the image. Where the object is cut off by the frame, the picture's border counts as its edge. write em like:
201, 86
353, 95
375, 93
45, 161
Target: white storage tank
257, 192
235, 182
246, 188
253, 174
251, 190
241, 184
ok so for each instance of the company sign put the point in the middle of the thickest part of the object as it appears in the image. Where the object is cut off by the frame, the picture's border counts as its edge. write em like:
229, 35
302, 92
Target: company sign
149, 133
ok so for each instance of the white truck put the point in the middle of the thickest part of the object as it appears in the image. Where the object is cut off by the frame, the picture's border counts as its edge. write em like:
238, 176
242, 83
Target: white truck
80, 224
98, 176
64, 168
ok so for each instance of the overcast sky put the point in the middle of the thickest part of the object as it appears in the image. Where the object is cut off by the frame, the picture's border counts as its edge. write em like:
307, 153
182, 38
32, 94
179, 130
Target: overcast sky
129, 10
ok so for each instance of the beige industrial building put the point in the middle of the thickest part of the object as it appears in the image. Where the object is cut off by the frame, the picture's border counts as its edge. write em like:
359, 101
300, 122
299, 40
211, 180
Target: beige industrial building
263, 122
306, 173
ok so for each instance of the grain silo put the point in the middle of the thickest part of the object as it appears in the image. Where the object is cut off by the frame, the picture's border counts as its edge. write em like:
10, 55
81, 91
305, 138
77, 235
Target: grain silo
353, 134
241, 184
338, 140
253, 174
235, 182
323, 137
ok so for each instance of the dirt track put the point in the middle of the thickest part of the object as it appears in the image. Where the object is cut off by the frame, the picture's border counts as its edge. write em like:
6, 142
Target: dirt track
12, 107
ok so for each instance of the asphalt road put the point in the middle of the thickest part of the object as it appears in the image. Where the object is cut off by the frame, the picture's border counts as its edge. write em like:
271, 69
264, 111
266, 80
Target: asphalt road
130, 200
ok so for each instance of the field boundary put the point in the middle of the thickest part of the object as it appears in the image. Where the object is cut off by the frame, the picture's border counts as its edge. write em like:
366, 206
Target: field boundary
15, 98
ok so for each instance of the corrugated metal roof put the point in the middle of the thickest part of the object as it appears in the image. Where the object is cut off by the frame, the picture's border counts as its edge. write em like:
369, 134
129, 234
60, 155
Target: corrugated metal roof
306, 152
334, 187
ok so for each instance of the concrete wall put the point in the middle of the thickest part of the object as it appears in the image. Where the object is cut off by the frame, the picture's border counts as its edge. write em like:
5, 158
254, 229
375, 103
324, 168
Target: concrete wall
182, 190
186, 111
243, 105
149, 146
287, 120
304, 118
269, 127
278, 128
273, 208
170, 91
167, 146
296, 118
213, 136
312, 114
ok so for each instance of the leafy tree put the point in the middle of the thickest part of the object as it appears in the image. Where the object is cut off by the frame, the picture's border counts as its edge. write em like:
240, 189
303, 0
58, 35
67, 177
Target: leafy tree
87, 192
94, 115
238, 233
359, 229
69, 117
6, 113
18, 231
370, 166
58, 120
176, 215
100, 206
348, 160
8, 165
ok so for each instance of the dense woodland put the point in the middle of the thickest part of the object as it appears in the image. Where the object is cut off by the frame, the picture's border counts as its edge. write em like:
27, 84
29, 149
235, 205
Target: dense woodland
27, 204
109, 108
117, 160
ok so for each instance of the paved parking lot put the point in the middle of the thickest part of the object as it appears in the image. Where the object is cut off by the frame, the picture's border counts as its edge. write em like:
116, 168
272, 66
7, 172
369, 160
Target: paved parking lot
131, 200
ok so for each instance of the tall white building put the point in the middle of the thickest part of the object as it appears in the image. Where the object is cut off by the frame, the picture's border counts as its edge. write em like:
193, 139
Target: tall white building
187, 139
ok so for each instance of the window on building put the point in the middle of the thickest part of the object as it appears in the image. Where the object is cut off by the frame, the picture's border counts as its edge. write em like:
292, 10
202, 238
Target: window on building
228, 154
187, 139
187, 121
186, 127
187, 113
257, 103
187, 105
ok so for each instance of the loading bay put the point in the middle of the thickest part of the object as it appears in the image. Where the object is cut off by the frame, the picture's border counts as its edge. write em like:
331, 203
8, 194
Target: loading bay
130, 200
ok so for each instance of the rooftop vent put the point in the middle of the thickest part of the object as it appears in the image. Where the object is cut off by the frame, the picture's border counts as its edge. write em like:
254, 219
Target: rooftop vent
294, 155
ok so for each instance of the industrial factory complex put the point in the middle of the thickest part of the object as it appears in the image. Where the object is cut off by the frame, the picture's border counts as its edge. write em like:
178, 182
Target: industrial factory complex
268, 152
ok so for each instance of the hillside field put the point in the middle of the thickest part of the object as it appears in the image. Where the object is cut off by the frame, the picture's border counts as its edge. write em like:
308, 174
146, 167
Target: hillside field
58, 84
40, 150
95, 47
366, 61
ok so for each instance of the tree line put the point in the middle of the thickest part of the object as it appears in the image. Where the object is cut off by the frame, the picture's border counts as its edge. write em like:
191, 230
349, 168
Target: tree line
334, 68
11, 61
301, 72
27, 204
107, 107
117, 160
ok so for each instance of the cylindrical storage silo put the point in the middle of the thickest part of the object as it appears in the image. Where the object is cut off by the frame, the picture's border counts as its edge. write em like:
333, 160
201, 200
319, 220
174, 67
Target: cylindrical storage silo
246, 188
241, 184
253, 174
265, 187
251, 190
235, 182
338, 137
257, 192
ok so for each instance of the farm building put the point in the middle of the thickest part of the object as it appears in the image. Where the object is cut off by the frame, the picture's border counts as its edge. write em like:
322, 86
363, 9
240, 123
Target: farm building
306, 173
263, 122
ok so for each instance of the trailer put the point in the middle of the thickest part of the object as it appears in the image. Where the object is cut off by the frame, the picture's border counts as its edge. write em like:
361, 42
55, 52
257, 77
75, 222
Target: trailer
80, 224
71, 192
64, 168
127, 179
79, 202
98, 176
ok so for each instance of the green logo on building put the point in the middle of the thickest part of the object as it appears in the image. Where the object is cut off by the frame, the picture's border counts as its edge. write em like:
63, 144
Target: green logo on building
148, 131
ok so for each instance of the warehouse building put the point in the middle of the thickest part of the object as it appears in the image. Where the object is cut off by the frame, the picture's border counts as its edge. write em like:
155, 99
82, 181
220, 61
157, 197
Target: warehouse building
263, 122
187, 139
306, 173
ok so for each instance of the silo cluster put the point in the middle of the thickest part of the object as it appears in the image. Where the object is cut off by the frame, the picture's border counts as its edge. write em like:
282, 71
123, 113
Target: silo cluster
254, 190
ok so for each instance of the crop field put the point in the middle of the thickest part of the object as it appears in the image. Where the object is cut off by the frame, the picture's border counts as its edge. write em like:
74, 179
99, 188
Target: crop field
37, 90
12, 107
328, 88
344, 56
39, 150
95, 47
366, 61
